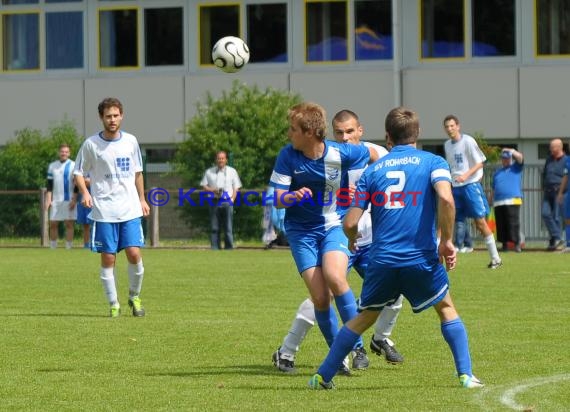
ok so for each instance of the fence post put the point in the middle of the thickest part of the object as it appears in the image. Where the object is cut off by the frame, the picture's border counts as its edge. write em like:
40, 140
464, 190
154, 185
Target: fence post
154, 226
44, 224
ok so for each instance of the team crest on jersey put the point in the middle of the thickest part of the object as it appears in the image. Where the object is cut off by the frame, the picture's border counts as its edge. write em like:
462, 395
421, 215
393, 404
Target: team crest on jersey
332, 173
123, 163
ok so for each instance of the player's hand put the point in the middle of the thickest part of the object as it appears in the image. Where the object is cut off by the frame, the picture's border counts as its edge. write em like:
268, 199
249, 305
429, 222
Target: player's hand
447, 254
352, 243
145, 208
303, 192
87, 201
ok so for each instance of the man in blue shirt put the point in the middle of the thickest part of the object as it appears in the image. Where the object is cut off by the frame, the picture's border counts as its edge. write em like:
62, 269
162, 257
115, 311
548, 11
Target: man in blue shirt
307, 177
507, 198
408, 189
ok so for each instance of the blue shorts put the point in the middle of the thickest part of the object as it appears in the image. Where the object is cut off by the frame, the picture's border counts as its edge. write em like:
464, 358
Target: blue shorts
359, 260
470, 201
424, 285
82, 213
113, 237
308, 247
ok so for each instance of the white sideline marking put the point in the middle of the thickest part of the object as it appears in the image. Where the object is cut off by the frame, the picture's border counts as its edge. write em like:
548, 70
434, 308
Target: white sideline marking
508, 397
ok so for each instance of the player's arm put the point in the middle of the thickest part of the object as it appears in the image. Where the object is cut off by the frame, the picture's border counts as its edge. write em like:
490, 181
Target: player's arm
373, 155
284, 198
139, 184
350, 225
82, 187
445, 219
470, 172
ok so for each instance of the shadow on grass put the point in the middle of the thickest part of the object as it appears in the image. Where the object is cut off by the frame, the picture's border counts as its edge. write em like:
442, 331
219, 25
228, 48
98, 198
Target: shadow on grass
266, 370
53, 315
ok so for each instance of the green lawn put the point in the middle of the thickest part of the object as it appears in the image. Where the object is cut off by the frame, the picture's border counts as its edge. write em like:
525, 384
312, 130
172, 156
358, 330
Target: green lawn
214, 319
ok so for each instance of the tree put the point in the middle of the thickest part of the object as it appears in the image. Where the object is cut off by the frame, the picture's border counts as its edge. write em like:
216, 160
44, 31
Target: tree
23, 166
251, 126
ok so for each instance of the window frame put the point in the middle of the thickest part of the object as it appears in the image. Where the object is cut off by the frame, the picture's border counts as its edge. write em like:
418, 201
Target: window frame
41, 28
139, 33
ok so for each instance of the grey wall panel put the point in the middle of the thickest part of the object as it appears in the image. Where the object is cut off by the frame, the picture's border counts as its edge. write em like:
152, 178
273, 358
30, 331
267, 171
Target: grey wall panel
484, 100
196, 87
545, 107
368, 93
38, 104
153, 105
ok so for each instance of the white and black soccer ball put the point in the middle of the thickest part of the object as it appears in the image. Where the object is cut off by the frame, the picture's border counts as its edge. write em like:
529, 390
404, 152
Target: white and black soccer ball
230, 54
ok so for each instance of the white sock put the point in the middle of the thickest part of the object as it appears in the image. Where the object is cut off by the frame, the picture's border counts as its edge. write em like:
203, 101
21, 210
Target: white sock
492, 247
53, 244
68, 244
303, 322
136, 273
387, 319
108, 281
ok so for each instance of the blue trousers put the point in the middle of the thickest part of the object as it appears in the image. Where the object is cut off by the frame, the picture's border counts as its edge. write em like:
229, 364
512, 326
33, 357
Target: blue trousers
221, 219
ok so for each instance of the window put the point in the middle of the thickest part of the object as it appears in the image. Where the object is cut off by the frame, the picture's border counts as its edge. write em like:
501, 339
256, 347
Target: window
493, 28
216, 22
553, 27
19, 2
164, 38
326, 31
64, 40
20, 41
442, 28
373, 30
63, 1
118, 41
267, 32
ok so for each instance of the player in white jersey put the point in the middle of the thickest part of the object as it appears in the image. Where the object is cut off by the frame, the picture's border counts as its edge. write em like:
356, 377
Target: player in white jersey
346, 129
61, 196
113, 161
466, 162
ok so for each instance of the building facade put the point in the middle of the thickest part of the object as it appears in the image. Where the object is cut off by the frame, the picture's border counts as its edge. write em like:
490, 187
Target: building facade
502, 67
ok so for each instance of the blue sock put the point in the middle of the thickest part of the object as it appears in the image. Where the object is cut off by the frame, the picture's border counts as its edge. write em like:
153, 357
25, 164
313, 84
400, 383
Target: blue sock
567, 235
346, 305
455, 335
341, 347
328, 323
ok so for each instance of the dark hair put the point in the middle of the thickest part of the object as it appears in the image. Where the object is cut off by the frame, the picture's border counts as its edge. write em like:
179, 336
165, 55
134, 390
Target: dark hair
344, 115
107, 103
450, 117
402, 125
310, 116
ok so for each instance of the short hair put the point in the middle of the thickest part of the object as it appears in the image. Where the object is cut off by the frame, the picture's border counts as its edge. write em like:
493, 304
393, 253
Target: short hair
402, 125
450, 117
220, 152
345, 115
311, 117
107, 103
63, 145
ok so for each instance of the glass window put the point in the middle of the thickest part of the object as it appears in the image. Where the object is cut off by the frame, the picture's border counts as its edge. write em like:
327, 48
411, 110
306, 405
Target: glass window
118, 42
553, 27
373, 30
326, 31
493, 28
20, 41
19, 1
442, 23
63, 1
267, 32
216, 22
64, 40
164, 38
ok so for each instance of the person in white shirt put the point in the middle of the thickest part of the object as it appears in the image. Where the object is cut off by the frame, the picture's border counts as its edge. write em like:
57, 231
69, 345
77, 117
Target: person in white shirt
112, 160
223, 181
61, 196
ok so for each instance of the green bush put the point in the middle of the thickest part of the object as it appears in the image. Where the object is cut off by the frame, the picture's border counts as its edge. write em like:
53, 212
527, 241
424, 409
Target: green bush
23, 166
251, 126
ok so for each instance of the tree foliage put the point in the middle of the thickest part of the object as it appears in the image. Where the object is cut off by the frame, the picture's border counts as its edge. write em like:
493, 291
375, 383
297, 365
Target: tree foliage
251, 126
23, 166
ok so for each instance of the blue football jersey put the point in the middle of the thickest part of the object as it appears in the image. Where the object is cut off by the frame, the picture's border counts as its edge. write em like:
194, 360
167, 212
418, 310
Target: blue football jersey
400, 189
323, 176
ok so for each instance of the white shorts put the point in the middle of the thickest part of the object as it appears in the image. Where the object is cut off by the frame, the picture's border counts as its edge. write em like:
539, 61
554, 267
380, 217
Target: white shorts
60, 211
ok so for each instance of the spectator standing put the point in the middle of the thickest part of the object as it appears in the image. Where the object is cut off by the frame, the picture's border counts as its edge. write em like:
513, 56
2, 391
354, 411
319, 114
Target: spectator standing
551, 181
462, 239
466, 161
61, 197
507, 198
223, 181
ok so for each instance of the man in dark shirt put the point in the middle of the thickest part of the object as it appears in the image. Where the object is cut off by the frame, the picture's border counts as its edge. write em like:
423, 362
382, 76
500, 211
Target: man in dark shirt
551, 178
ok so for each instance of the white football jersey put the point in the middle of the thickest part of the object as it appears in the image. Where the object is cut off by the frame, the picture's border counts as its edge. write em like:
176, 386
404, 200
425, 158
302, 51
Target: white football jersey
365, 222
61, 175
111, 166
462, 155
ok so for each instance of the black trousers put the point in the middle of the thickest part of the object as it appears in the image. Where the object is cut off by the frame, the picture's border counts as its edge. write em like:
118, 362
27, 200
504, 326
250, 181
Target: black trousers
508, 222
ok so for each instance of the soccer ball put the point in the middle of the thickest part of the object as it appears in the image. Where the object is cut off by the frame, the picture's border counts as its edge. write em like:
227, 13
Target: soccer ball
230, 54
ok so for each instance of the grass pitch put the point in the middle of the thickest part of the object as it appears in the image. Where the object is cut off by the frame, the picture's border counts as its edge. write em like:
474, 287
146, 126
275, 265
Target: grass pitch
214, 319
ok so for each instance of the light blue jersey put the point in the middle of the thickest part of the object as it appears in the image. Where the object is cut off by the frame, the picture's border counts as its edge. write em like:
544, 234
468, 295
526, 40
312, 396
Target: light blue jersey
400, 194
323, 176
